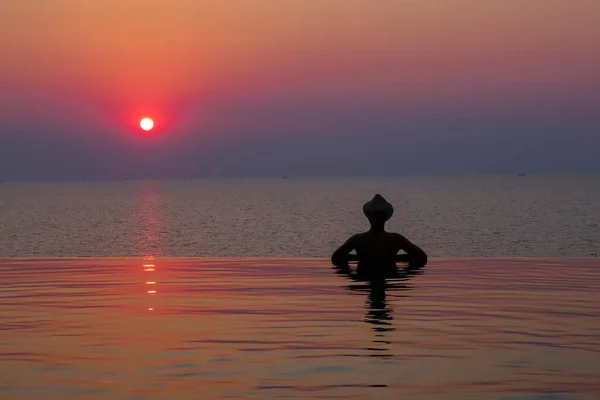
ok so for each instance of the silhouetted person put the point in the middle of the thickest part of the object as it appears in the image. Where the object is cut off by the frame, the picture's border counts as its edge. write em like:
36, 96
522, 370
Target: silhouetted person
377, 250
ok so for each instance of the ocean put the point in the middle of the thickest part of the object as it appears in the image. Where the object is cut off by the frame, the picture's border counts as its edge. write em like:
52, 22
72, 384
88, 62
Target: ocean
454, 216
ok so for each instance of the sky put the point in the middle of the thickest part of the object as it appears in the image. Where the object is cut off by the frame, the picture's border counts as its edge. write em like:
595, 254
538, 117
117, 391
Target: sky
298, 87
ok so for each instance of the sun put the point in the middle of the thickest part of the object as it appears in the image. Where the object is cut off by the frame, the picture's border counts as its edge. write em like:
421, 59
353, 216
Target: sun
147, 124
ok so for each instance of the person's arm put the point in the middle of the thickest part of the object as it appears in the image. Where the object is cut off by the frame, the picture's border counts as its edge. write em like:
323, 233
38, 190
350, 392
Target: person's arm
341, 257
414, 254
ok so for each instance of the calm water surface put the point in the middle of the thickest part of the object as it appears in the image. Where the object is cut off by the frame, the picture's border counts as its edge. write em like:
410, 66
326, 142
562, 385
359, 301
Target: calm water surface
292, 328
470, 216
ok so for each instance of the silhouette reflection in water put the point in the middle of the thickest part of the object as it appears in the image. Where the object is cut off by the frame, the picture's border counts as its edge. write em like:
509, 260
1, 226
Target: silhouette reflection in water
379, 311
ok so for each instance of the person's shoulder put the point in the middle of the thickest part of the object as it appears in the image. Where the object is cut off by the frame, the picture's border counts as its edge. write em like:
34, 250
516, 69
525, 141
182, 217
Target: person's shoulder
398, 237
358, 236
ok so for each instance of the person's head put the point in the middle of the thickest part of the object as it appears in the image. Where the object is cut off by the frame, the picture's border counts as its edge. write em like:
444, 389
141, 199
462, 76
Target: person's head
378, 210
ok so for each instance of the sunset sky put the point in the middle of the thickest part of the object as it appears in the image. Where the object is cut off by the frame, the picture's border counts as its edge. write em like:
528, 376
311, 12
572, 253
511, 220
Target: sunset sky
298, 87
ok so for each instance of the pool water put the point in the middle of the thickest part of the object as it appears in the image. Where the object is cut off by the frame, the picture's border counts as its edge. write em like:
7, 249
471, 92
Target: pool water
222, 328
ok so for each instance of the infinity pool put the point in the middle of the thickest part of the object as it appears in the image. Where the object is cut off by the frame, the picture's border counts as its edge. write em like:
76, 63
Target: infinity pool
199, 328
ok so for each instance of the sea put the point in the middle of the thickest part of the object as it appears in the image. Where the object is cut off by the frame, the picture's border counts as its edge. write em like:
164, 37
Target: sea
449, 216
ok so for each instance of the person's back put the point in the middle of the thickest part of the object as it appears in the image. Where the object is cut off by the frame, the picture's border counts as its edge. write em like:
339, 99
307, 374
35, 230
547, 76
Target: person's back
376, 249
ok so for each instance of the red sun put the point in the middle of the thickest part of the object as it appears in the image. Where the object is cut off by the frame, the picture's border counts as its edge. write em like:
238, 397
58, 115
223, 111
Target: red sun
147, 124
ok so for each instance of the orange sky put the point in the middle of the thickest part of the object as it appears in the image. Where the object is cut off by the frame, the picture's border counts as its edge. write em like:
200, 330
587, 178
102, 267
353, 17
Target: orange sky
71, 64
160, 48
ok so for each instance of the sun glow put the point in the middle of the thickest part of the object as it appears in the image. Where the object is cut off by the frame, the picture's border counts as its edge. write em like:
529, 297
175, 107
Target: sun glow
147, 124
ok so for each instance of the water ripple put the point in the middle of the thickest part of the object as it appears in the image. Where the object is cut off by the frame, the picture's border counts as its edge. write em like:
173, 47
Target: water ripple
293, 328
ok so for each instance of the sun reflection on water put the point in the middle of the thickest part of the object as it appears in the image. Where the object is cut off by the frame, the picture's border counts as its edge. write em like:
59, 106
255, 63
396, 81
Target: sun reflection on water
149, 221
149, 267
